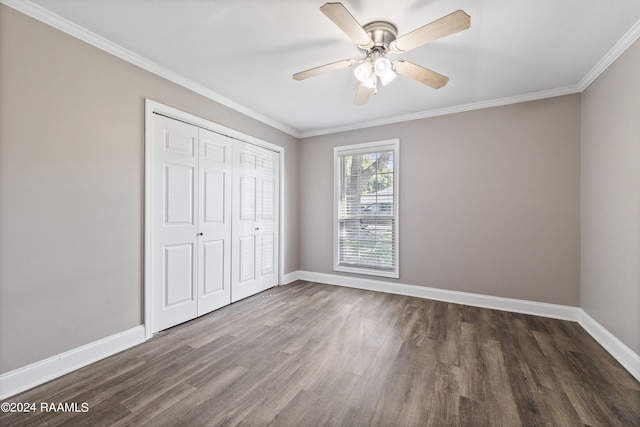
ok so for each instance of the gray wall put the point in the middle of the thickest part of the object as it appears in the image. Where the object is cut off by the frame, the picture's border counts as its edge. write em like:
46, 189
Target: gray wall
72, 188
610, 199
489, 200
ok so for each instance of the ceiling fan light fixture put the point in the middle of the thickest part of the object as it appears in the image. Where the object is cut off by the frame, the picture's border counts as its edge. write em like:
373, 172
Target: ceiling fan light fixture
371, 82
387, 78
383, 69
381, 65
364, 71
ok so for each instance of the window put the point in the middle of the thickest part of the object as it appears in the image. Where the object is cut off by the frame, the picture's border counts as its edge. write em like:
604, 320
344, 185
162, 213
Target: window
366, 195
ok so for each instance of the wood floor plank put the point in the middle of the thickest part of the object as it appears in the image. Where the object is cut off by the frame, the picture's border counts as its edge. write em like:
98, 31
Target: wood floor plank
472, 365
473, 413
403, 397
499, 394
362, 401
309, 354
569, 383
444, 406
527, 395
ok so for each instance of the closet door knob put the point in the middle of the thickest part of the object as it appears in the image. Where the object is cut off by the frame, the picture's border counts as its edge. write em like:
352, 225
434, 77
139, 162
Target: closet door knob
199, 234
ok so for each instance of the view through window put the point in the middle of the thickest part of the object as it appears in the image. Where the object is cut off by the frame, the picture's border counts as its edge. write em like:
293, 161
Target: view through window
367, 208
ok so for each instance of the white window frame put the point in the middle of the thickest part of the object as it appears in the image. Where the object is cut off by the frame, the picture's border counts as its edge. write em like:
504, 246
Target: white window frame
367, 147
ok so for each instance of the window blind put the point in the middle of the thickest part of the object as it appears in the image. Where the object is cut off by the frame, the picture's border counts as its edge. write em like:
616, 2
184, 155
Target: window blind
367, 223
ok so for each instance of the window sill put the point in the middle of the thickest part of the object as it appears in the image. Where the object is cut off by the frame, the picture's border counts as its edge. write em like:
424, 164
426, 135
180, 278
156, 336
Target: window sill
369, 272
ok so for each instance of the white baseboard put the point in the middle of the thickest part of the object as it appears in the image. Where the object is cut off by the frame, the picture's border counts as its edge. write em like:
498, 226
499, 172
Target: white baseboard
21, 379
554, 311
291, 277
623, 354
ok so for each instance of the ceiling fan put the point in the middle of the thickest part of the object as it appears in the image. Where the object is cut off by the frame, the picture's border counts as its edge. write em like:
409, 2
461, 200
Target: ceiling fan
378, 38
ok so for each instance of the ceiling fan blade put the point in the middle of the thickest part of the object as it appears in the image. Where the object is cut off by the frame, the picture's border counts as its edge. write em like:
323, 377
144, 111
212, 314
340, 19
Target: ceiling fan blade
324, 69
447, 25
420, 74
347, 23
362, 95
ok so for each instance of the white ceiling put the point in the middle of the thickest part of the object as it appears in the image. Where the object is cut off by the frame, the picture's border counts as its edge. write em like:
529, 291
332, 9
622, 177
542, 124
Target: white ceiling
243, 53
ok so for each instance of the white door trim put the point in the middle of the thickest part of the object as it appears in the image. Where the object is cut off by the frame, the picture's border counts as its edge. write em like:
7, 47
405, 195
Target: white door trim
152, 107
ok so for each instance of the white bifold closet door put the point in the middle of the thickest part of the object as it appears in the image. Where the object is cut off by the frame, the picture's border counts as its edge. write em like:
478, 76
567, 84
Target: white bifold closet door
193, 212
255, 220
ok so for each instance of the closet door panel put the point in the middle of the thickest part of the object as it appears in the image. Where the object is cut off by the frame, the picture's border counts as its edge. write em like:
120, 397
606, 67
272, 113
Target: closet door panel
247, 255
255, 225
178, 197
266, 248
268, 217
178, 275
174, 204
214, 224
214, 196
247, 198
214, 269
243, 260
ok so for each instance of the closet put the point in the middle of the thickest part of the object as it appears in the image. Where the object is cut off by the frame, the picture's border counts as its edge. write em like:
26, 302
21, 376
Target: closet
214, 220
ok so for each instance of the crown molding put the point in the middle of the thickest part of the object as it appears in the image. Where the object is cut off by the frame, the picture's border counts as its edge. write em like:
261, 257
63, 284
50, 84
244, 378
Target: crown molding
43, 15
614, 53
567, 90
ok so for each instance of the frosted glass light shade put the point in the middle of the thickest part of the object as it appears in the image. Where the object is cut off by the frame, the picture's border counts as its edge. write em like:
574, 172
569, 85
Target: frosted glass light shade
363, 71
384, 70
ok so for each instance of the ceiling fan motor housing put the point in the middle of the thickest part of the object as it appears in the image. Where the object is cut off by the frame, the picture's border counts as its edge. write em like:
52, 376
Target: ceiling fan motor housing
381, 33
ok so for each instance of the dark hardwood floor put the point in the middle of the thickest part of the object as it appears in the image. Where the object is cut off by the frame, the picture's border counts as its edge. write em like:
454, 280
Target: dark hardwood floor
316, 355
